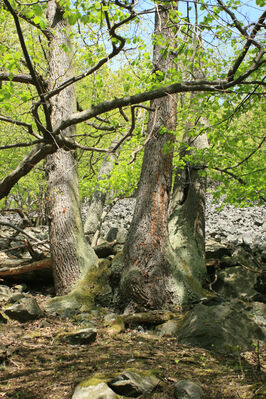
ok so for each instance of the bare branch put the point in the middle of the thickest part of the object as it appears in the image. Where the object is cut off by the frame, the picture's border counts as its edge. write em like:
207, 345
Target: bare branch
19, 145
115, 51
37, 154
28, 126
20, 78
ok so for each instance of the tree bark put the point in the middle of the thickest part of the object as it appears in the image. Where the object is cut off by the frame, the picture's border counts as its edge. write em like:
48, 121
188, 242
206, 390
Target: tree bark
71, 255
146, 264
98, 197
164, 260
187, 215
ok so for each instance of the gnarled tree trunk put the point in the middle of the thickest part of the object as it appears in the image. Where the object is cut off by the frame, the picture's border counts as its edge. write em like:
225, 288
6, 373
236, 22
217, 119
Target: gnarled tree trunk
71, 255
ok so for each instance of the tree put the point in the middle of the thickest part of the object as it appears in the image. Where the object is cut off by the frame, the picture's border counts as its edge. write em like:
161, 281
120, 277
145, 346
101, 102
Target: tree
51, 118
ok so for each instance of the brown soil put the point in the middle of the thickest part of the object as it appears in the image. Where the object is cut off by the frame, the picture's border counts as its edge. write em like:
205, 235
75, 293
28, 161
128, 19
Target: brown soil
34, 366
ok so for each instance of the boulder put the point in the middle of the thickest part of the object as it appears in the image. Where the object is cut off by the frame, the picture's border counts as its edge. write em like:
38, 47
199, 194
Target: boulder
186, 389
24, 310
83, 336
100, 391
236, 282
223, 327
132, 384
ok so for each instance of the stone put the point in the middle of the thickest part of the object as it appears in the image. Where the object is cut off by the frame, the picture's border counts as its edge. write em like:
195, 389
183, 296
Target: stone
15, 298
104, 250
24, 310
116, 326
83, 336
223, 327
185, 389
5, 292
236, 282
132, 384
168, 328
100, 391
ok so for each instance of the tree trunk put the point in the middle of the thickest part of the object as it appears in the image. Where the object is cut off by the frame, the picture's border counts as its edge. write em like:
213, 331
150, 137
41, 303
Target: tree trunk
71, 255
98, 197
164, 262
187, 215
146, 264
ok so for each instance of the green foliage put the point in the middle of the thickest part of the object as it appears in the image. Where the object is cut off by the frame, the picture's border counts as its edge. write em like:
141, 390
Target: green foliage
235, 132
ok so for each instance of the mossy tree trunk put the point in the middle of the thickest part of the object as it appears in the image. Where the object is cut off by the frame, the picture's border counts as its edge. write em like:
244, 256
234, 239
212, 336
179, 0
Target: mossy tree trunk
71, 255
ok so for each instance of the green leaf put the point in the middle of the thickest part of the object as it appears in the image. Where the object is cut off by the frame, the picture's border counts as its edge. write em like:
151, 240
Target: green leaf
37, 9
72, 19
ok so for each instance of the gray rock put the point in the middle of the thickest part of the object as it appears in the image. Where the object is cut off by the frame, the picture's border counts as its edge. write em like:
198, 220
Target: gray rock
168, 328
132, 384
15, 297
100, 391
84, 336
222, 327
25, 310
236, 282
186, 389
5, 292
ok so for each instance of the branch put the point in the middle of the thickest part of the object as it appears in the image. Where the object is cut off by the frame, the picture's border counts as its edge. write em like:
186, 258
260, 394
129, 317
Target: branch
37, 154
241, 181
32, 73
28, 126
20, 231
20, 78
115, 51
184, 87
246, 158
19, 145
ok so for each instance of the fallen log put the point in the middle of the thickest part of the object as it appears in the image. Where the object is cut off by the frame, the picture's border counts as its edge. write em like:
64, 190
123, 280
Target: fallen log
15, 269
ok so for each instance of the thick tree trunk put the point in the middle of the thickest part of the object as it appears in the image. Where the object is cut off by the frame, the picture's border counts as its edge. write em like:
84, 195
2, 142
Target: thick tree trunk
146, 264
71, 255
164, 262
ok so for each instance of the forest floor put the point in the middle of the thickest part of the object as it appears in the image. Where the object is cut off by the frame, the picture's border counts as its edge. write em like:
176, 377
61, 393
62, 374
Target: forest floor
33, 365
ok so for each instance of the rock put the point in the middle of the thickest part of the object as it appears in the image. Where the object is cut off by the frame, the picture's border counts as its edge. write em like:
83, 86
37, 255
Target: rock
5, 292
186, 389
223, 327
100, 391
116, 326
15, 298
236, 282
84, 336
25, 310
169, 328
216, 250
104, 249
132, 384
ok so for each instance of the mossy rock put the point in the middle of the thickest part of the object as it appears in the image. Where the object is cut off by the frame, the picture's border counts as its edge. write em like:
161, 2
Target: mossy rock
116, 326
